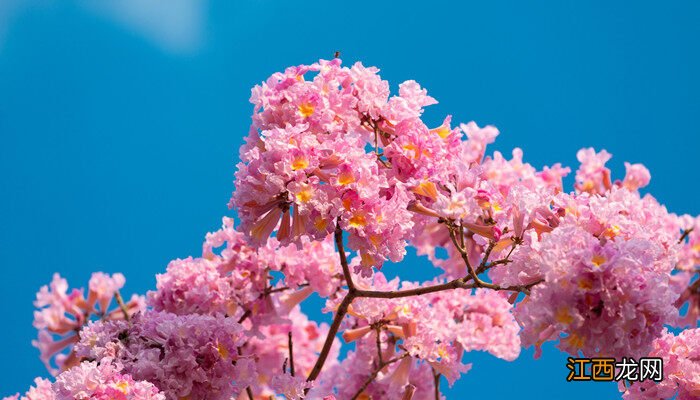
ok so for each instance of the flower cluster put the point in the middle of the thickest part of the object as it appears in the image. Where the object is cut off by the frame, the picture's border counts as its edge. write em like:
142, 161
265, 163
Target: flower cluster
90, 380
61, 314
183, 355
432, 331
333, 159
681, 368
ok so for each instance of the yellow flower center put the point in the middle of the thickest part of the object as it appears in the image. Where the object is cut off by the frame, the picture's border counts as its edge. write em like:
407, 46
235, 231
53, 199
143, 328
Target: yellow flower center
306, 109
562, 316
585, 283
612, 232
299, 162
122, 386
597, 260
427, 189
575, 341
346, 178
320, 223
442, 131
357, 221
223, 352
305, 194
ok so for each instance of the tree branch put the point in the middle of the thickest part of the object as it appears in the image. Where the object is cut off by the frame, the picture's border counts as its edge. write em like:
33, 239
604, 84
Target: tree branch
436, 383
122, 306
343, 257
374, 374
378, 330
291, 355
342, 308
353, 293
339, 315
685, 234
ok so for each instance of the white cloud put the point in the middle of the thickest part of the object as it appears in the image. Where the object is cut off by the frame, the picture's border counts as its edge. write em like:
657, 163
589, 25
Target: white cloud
175, 26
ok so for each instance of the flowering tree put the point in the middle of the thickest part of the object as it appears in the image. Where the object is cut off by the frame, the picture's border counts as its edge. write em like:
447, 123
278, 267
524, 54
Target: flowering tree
336, 178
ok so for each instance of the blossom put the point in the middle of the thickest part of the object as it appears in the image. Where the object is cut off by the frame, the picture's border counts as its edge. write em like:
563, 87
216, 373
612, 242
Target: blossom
603, 297
335, 167
271, 348
681, 370
292, 387
41, 391
592, 176
90, 380
182, 355
61, 313
637, 176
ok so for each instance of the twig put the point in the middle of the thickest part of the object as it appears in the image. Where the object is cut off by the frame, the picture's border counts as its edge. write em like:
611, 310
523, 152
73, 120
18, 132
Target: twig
453, 284
245, 315
335, 325
122, 306
342, 308
374, 374
353, 293
685, 234
436, 383
249, 391
291, 355
343, 257
464, 255
379, 345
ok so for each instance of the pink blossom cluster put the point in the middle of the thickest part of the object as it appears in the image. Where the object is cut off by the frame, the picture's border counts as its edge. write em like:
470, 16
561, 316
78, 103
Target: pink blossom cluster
428, 333
183, 355
333, 159
61, 314
607, 276
90, 380
681, 368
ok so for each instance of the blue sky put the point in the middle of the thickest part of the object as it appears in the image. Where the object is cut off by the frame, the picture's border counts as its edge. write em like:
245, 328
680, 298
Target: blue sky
120, 123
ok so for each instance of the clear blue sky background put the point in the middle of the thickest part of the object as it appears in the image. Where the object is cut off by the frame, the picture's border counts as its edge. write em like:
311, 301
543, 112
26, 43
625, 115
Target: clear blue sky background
120, 123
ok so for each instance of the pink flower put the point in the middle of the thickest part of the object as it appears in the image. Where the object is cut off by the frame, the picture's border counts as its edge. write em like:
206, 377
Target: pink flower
90, 380
103, 287
592, 176
189, 355
681, 369
60, 314
292, 387
595, 289
41, 391
637, 176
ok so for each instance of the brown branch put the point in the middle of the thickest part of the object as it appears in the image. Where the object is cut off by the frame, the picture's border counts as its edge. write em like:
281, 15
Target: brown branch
379, 345
291, 355
436, 383
245, 315
394, 294
343, 256
249, 391
695, 286
487, 254
353, 293
374, 374
485, 265
465, 256
122, 306
335, 325
342, 308
685, 234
